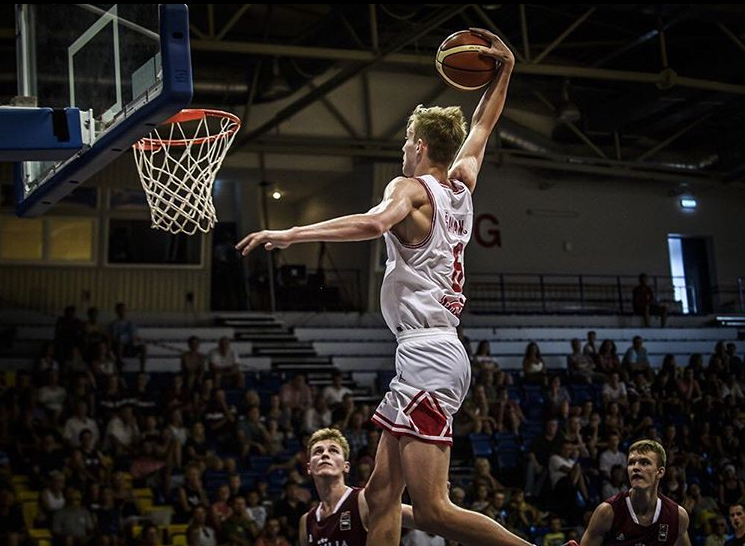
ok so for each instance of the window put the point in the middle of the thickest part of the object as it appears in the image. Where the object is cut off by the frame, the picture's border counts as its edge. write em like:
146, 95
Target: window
71, 239
135, 242
21, 239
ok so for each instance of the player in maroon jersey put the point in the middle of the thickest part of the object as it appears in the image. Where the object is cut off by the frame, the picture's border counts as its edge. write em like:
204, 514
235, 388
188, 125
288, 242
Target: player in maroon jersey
342, 515
640, 516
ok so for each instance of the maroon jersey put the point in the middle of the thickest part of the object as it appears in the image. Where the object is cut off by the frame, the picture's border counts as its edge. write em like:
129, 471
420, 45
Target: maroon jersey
342, 528
626, 530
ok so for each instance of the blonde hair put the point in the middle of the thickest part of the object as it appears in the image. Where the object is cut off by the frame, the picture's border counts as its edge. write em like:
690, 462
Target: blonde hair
645, 446
443, 129
329, 434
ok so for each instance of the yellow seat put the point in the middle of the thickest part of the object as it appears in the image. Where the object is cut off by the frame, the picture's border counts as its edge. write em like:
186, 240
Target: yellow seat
25, 495
30, 513
144, 504
178, 528
143, 493
10, 378
19, 479
179, 540
40, 534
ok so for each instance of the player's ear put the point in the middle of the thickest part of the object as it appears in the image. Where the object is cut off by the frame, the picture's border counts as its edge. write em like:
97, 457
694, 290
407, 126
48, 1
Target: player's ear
307, 468
346, 467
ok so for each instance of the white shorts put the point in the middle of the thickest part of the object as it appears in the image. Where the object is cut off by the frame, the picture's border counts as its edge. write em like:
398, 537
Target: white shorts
432, 379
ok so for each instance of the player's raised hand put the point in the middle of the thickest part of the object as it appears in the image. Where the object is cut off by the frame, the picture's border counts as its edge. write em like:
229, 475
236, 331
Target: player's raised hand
499, 49
271, 239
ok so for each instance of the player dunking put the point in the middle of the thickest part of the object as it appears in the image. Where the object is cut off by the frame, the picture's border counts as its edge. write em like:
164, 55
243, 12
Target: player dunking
426, 218
640, 515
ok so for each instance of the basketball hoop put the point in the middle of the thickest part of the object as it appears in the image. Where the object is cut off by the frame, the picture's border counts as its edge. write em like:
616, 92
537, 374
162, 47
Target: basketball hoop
177, 172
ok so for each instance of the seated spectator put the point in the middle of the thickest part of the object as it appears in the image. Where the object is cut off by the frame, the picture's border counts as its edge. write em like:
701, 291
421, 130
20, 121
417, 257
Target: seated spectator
613, 456
46, 364
731, 488
736, 368
334, 393
108, 518
79, 422
474, 416
636, 360
701, 508
507, 413
483, 360
616, 483
317, 417
522, 515
150, 535
558, 399
608, 361
207, 535
93, 333
581, 367
482, 474
567, 481
124, 339
555, 537
590, 348
296, 394
615, 390
643, 302
103, 364
193, 363
51, 499
718, 535
497, 508
52, 397
12, 528
480, 498
225, 364
534, 369
73, 525
289, 509
191, 494
67, 334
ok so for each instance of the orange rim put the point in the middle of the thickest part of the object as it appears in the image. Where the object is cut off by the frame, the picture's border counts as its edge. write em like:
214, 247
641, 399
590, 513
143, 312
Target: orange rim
191, 114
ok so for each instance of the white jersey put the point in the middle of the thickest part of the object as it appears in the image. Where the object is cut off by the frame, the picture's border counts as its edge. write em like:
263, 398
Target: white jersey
423, 283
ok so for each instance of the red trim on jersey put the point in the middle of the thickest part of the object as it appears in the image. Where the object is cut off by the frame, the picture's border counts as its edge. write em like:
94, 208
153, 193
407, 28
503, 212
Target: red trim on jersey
380, 421
432, 223
455, 191
414, 400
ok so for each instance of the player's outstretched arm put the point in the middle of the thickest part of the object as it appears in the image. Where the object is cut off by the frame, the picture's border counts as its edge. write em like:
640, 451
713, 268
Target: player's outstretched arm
683, 538
468, 162
600, 523
401, 196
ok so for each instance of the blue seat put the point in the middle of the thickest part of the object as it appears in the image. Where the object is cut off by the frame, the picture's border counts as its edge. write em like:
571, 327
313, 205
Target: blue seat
261, 463
481, 445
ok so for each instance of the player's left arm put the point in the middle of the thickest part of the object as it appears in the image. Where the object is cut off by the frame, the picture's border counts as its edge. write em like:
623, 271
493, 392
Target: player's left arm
683, 539
407, 513
468, 162
402, 195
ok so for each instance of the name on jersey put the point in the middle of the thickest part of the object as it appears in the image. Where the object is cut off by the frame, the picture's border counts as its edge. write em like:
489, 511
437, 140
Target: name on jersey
326, 542
454, 225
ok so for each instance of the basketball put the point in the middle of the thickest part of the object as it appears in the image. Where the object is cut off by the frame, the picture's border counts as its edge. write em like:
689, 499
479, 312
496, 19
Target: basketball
461, 63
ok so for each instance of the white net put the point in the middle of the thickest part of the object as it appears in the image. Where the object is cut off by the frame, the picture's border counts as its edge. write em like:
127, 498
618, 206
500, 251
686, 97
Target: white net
177, 164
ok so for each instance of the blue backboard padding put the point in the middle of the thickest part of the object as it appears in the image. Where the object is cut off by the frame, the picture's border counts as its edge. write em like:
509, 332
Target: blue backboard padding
176, 95
40, 134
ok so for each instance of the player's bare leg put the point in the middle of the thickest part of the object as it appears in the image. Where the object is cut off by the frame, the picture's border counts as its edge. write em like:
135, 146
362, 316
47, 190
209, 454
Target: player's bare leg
425, 468
383, 494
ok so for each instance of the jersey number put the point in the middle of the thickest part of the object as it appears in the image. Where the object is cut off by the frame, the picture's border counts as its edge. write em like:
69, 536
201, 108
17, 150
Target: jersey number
457, 277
